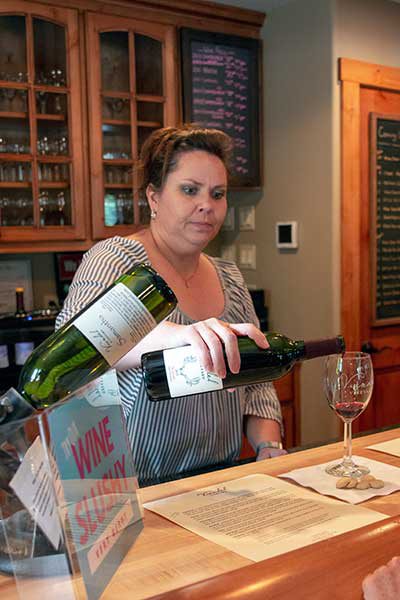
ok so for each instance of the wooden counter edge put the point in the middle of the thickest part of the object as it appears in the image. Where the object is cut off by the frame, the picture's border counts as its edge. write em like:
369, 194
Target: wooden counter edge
321, 570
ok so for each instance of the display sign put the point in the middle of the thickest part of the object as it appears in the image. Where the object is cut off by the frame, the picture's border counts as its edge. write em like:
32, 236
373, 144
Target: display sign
95, 480
385, 218
221, 89
67, 264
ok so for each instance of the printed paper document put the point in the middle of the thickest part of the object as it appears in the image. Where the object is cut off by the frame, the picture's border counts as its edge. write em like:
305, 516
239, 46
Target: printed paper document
261, 516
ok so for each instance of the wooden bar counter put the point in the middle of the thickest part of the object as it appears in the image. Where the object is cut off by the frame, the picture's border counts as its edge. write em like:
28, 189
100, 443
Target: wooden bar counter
169, 562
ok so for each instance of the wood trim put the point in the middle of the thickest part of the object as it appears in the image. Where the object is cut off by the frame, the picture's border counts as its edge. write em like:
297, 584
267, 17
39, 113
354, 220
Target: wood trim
199, 14
297, 574
369, 74
204, 8
355, 74
350, 214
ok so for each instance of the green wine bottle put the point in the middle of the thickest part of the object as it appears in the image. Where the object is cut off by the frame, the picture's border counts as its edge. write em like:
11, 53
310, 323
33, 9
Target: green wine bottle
177, 371
97, 337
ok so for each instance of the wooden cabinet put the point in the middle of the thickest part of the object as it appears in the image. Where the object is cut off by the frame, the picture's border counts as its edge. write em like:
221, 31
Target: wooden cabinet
82, 85
132, 83
41, 164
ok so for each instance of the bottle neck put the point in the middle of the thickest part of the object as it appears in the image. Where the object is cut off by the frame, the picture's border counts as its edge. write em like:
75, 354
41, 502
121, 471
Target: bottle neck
324, 347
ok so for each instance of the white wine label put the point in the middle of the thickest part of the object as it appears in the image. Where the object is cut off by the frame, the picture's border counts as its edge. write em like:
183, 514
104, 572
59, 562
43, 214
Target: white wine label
185, 374
115, 323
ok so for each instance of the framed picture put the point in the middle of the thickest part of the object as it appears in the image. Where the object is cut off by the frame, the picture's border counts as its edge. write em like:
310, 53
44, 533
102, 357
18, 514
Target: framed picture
222, 90
15, 273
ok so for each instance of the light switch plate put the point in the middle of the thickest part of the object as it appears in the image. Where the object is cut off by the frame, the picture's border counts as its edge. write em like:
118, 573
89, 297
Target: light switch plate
228, 252
229, 223
286, 235
247, 218
247, 256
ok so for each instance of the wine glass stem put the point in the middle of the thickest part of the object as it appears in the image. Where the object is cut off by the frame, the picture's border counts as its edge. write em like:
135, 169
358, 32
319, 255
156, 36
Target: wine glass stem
347, 459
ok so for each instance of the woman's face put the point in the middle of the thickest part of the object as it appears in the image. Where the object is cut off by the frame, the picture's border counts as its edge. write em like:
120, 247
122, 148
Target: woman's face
191, 206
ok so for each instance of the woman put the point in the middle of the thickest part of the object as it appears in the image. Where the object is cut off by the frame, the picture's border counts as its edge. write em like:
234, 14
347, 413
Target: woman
185, 182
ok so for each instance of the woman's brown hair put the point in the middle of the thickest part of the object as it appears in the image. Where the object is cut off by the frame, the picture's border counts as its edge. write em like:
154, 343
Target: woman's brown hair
160, 152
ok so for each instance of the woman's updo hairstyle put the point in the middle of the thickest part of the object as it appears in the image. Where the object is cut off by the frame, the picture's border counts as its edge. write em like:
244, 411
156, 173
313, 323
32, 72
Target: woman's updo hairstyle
160, 152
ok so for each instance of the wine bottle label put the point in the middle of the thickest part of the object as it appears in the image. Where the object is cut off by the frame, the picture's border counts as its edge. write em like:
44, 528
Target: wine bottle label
186, 375
115, 323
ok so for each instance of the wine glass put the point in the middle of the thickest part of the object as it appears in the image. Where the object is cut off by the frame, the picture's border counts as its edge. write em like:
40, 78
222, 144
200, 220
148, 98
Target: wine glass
348, 382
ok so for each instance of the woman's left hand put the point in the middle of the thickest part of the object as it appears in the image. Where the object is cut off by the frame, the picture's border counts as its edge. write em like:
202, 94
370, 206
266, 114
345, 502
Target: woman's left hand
270, 453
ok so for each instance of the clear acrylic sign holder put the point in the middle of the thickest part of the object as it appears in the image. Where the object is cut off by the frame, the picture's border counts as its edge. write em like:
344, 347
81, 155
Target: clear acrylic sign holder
69, 510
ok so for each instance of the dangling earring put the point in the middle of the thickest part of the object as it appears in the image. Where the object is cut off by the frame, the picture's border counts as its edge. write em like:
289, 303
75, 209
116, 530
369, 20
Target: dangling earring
153, 214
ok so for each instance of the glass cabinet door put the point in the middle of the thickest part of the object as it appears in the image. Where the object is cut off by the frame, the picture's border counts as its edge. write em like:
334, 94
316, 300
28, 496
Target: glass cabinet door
40, 124
131, 95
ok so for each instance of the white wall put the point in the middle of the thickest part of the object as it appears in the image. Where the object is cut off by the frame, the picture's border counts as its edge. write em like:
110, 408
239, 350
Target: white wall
303, 40
298, 151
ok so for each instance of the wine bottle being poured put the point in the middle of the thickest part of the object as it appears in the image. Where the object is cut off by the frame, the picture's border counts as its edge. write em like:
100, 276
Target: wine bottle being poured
97, 337
177, 371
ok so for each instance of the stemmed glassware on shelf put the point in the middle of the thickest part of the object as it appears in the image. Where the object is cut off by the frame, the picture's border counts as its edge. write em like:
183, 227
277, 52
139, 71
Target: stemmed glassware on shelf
348, 383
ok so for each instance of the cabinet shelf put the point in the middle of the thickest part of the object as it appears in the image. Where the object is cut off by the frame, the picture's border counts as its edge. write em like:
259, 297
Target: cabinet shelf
149, 98
116, 122
59, 185
51, 89
118, 186
50, 117
153, 124
111, 94
8, 156
53, 158
118, 161
13, 115
17, 85
15, 184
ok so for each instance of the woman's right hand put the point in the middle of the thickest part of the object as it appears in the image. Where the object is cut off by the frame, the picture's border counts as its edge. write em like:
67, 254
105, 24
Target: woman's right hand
208, 338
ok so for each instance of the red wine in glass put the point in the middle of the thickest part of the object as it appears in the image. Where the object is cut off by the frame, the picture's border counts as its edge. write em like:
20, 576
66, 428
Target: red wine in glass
349, 411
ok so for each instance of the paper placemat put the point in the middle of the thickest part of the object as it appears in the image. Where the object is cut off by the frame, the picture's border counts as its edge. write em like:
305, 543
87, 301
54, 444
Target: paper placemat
316, 478
390, 447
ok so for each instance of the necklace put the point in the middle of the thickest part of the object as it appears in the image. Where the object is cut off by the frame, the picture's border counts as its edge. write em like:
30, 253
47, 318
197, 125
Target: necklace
186, 280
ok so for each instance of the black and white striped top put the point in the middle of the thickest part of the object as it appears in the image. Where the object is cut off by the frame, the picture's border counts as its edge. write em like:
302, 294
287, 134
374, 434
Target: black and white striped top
181, 434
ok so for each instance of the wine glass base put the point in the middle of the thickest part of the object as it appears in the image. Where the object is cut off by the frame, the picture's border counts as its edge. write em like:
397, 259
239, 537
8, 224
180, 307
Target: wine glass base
346, 470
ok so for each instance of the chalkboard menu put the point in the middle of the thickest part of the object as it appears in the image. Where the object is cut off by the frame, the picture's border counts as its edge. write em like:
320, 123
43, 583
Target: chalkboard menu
385, 226
221, 89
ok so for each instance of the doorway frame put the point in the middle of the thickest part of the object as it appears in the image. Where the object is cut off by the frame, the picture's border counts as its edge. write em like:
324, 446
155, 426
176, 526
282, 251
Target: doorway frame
353, 75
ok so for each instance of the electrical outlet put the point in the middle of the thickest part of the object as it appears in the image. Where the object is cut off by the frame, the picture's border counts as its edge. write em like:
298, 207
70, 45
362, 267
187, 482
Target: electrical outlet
247, 218
247, 256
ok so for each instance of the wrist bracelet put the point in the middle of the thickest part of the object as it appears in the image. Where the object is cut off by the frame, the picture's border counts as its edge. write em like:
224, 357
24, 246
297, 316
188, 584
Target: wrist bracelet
276, 445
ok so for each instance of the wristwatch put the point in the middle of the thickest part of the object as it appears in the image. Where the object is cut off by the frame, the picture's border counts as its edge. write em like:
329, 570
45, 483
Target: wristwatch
277, 445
